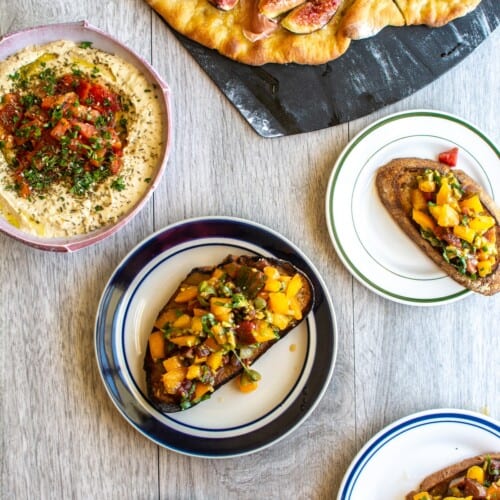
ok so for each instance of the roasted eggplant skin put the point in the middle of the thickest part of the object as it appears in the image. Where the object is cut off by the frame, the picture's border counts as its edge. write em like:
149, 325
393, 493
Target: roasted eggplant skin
249, 278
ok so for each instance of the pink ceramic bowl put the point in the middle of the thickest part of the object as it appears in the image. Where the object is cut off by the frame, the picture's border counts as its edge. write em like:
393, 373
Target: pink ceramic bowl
77, 32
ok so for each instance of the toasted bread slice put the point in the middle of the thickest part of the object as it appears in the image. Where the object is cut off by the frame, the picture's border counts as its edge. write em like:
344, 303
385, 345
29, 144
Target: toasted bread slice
217, 323
441, 482
396, 183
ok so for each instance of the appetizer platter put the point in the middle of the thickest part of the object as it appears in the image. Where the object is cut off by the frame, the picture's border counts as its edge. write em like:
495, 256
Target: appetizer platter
84, 135
428, 441
294, 372
381, 256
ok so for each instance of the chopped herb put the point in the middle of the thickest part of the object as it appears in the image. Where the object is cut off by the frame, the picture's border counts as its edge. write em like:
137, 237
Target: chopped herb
118, 184
85, 45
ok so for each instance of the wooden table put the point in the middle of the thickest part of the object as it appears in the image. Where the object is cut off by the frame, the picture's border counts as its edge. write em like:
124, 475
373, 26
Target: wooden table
61, 436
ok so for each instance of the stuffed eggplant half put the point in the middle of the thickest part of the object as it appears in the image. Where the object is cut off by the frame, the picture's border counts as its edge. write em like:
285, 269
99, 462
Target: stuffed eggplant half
217, 323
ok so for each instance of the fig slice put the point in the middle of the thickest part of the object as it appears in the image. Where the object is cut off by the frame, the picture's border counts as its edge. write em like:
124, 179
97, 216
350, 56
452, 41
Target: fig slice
274, 8
311, 16
224, 4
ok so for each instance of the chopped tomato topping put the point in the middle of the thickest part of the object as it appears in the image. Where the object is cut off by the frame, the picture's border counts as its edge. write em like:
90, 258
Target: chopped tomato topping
61, 132
449, 157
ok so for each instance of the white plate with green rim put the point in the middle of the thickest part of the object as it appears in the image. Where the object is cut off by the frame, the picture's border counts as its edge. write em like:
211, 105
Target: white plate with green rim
368, 241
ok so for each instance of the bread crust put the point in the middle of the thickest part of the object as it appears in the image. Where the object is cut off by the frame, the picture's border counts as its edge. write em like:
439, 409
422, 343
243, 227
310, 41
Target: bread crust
168, 403
366, 18
245, 35
435, 13
450, 472
394, 182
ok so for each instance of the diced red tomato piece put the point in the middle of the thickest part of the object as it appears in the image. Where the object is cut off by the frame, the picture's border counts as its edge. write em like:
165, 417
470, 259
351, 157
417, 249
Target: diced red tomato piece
87, 130
11, 113
61, 128
103, 99
449, 157
51, 101
24, 187
116, 165
83, 89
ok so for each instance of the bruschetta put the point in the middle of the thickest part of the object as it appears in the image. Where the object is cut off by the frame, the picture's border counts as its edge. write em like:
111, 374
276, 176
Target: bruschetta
448, 215
476, 478
218, 322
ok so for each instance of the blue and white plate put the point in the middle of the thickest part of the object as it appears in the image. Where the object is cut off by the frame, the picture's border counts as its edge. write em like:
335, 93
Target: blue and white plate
368, 241
396, 460
295, 372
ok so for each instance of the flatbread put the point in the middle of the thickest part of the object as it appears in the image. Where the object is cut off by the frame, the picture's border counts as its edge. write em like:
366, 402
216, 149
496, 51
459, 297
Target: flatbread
244, 34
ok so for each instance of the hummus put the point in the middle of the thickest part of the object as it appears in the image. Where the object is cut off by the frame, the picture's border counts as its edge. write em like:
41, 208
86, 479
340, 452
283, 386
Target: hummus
57, 211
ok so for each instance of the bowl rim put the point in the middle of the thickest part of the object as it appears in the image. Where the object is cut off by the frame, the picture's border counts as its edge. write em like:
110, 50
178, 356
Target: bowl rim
13, 42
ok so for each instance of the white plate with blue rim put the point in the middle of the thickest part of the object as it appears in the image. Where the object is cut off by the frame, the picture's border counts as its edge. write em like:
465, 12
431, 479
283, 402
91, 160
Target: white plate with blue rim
295, 372
368, 241
396, 460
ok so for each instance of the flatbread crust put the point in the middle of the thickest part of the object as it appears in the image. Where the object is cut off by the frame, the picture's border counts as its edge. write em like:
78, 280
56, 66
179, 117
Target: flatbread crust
435, 13
245, 35
394, 182
366, 18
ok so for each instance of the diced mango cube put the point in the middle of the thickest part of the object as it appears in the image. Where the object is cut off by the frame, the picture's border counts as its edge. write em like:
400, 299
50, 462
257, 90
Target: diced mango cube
422, 496
196, 325
427, 186
214, 360
211, 343
418, 199
481, 223
448, 216
183, 321
186, 294
294, 286
444, 194
157, 345
295, 308
272, 285
464, 233
194, 371
173, 379
219, 334
199, 312
201, 389
264, 332
471, 205
172, 363
220, 307
218, 273
185, 340
477, 473
168, 316
424, 220
281, 321
484, 268
278, 302
271, 272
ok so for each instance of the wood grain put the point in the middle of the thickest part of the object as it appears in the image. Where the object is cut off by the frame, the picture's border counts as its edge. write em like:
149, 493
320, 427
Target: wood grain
61, 437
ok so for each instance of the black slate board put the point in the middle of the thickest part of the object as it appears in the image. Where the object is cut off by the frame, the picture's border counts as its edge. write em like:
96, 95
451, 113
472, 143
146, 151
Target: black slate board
279, 100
